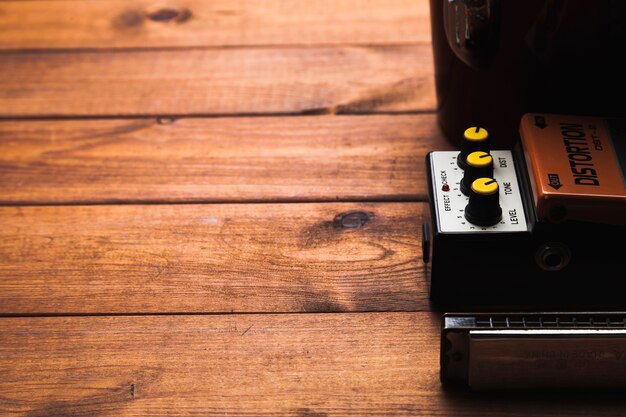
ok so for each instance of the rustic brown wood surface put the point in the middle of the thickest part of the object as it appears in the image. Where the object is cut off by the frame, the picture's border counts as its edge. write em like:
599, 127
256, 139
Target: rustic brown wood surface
215, 208
301, 365
260, 80
54, 24
238, 159
212, 258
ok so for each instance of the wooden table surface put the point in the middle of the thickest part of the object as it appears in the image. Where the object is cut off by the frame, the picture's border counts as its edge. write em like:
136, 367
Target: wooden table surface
215, 208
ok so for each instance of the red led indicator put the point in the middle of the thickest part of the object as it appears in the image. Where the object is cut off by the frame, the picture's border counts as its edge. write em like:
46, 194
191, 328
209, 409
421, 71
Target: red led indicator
445, 187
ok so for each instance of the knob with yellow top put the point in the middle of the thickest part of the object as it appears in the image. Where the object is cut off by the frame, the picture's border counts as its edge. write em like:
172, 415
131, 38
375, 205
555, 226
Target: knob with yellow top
479, 164
483, 207
474, 139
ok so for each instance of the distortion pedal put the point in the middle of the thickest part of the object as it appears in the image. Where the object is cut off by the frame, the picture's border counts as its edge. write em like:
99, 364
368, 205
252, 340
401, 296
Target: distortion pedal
536, 226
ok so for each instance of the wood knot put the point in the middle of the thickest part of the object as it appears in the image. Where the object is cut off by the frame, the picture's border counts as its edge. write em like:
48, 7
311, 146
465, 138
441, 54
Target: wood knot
352, 219
170, 15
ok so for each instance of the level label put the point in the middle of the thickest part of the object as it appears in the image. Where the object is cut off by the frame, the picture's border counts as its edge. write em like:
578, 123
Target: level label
450, 202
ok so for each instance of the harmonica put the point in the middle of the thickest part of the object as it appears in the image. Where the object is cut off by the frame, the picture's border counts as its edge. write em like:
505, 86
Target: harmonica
538, 350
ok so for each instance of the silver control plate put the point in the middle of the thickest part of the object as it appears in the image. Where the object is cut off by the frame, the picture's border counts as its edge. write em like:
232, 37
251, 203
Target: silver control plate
450, 204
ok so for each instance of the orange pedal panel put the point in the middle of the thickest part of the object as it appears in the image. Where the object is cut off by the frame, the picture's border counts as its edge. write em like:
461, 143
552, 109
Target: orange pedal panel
576, 166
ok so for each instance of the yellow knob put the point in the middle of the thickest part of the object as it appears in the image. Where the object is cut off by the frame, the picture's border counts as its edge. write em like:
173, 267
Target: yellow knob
479, 159
475, 134
485, 186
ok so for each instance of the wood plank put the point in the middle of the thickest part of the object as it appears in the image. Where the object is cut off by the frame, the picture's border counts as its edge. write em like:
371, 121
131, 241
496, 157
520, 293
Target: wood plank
302, 365
212, 258
176, 23
262, 80
216, 159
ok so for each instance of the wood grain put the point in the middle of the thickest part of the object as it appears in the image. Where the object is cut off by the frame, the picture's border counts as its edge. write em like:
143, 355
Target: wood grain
241, 159
212, 258
301, 365
226, 81
182, 23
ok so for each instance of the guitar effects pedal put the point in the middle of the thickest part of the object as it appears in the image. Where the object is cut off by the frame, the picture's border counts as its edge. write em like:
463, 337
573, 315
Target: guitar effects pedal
539, 225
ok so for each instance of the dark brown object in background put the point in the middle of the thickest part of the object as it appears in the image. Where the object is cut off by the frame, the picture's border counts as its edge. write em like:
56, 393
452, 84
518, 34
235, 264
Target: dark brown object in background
557, 56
